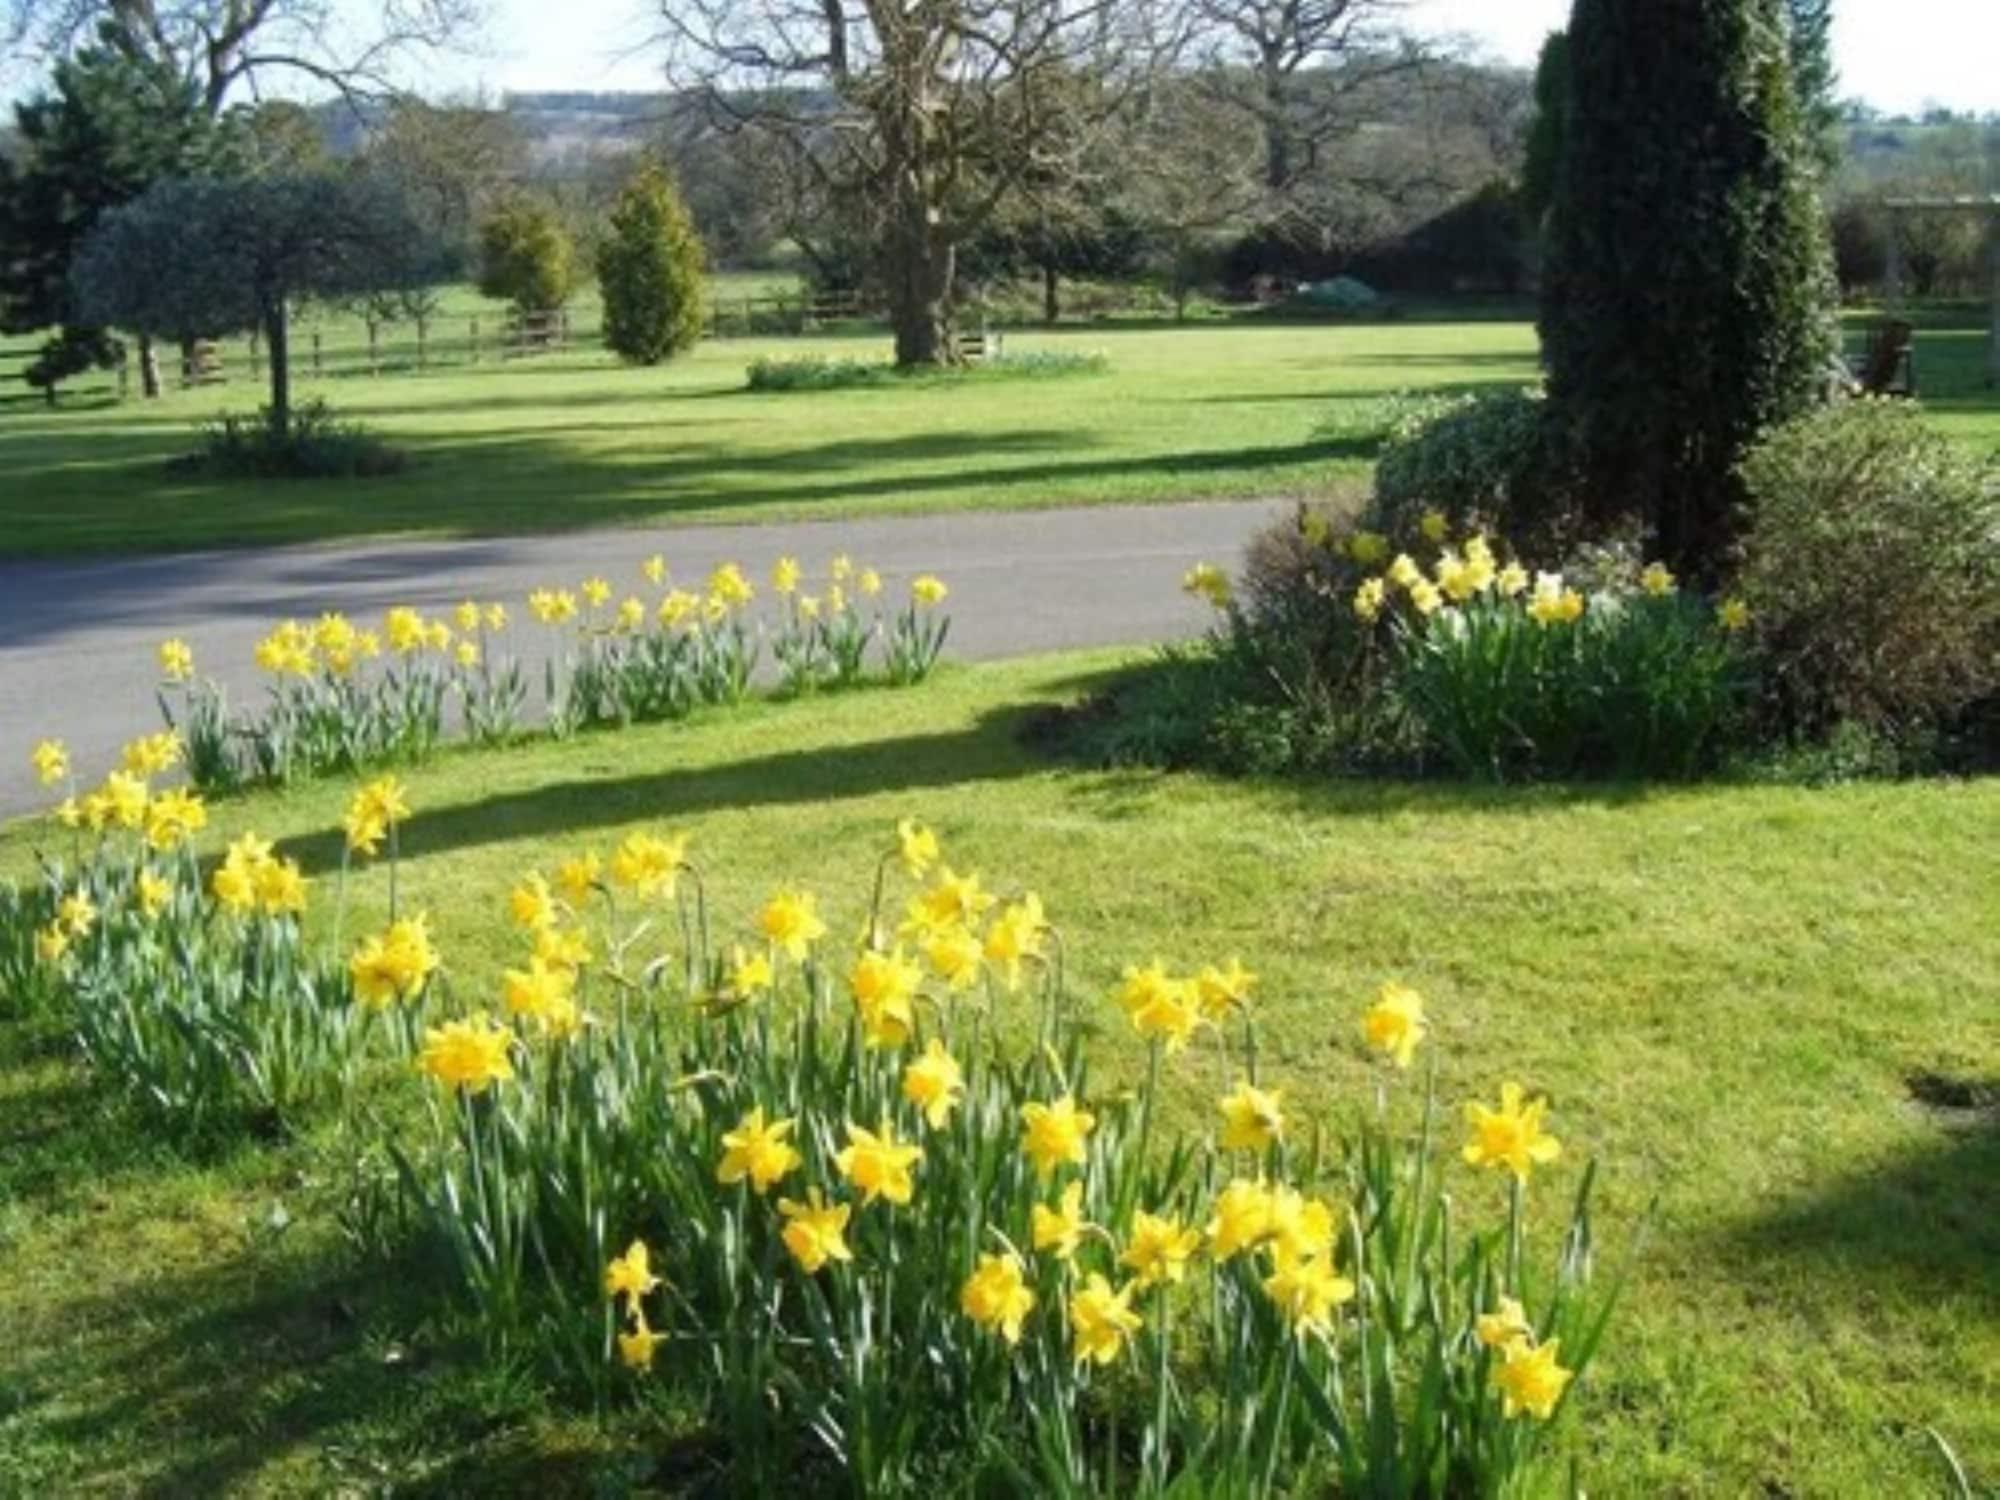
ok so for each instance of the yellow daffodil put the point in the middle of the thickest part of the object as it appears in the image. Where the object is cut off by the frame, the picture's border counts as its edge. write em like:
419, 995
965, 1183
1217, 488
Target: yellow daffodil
869, 582
631, 1276
1656, 580
757, 1151
728, 586
1015, 937
566, 948
174, 817
631, 615
1207, 581
151, 754
841, 568
50, 759
395, 965
1510, 1137
578, 877
638, 1347
745, 973
648, 864
467, 616
1434, 526
176, 660
154, 892
1530, 1380
997, 1297
952, 900
878, 1164
1504, 1325
934, 1083
552, 606
655, 570
1552, 603
1242, 1218
1060, 1229
1404, 572
1222, 991
1734, 615
1298, 1225
1394, 1024
596, 592
955, 956
1307, 1289
530, 905
1056, 1134
467, 655
1159, 1249
1252, 1118
1370, 599
885, 989
377, 810
928, 591
917, 847
496, 617
790, 920
1101, 1321
815, 1231
470, 1055
1425, 598
541, 991
1513, 580
785, 576
51, 943
76, 914
1162, 1008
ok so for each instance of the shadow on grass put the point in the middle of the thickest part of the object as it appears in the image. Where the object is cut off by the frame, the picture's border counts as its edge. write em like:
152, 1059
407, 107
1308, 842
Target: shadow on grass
990, 751
1929, 1218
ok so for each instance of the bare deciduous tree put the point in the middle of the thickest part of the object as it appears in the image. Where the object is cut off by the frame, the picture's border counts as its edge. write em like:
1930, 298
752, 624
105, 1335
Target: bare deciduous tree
930, 110
229, 46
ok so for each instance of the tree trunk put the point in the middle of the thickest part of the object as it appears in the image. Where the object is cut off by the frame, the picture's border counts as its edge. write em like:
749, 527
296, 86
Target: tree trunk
1277, 130
277, 334
1051, 296
149, 368
921, 262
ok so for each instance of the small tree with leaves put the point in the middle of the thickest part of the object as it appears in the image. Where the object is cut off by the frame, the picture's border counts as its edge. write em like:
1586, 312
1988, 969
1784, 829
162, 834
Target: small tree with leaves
526, 257
650, 270
200, 258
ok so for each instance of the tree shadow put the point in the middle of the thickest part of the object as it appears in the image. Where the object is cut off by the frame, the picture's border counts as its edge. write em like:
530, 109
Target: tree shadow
1930, 1216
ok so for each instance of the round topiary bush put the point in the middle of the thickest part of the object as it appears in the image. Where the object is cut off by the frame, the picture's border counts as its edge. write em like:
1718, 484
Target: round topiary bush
1872, 570
1495, 460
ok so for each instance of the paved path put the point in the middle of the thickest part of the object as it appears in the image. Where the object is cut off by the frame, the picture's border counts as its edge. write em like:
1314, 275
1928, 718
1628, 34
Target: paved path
77, 639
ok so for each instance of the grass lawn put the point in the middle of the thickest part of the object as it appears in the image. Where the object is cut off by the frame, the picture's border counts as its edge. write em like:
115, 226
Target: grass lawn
1727, 991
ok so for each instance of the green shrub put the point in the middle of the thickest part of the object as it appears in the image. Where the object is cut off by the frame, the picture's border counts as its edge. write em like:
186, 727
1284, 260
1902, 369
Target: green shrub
1872, 569
315, 445
814, 372
650, 269
526, 257
1491, 461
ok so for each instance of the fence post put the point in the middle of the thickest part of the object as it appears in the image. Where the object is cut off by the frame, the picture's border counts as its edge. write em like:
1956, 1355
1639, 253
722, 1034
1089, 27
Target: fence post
256, 368
475, 341
124, 373
374, 354
562, 329
316, 363
423, 343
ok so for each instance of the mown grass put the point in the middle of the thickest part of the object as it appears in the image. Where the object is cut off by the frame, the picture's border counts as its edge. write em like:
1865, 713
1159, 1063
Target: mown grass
1728, 991
1243, 406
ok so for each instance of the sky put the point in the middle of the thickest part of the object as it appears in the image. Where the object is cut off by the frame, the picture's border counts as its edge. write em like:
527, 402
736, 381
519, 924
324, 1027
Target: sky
1899, 55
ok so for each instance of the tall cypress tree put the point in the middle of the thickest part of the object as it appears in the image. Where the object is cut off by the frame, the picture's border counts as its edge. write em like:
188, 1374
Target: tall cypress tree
1814, 79
1688, 293
649, 268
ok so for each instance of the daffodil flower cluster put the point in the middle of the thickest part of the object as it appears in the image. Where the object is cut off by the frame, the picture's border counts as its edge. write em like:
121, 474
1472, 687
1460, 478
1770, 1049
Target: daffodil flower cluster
344, 695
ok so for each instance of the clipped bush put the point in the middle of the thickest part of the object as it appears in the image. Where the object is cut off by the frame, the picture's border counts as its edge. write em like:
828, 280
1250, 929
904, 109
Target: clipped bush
650, 269
1872, 570
1494, 460
815, 372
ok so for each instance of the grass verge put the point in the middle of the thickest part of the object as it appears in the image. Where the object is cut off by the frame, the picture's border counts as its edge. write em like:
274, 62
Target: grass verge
1741, 999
